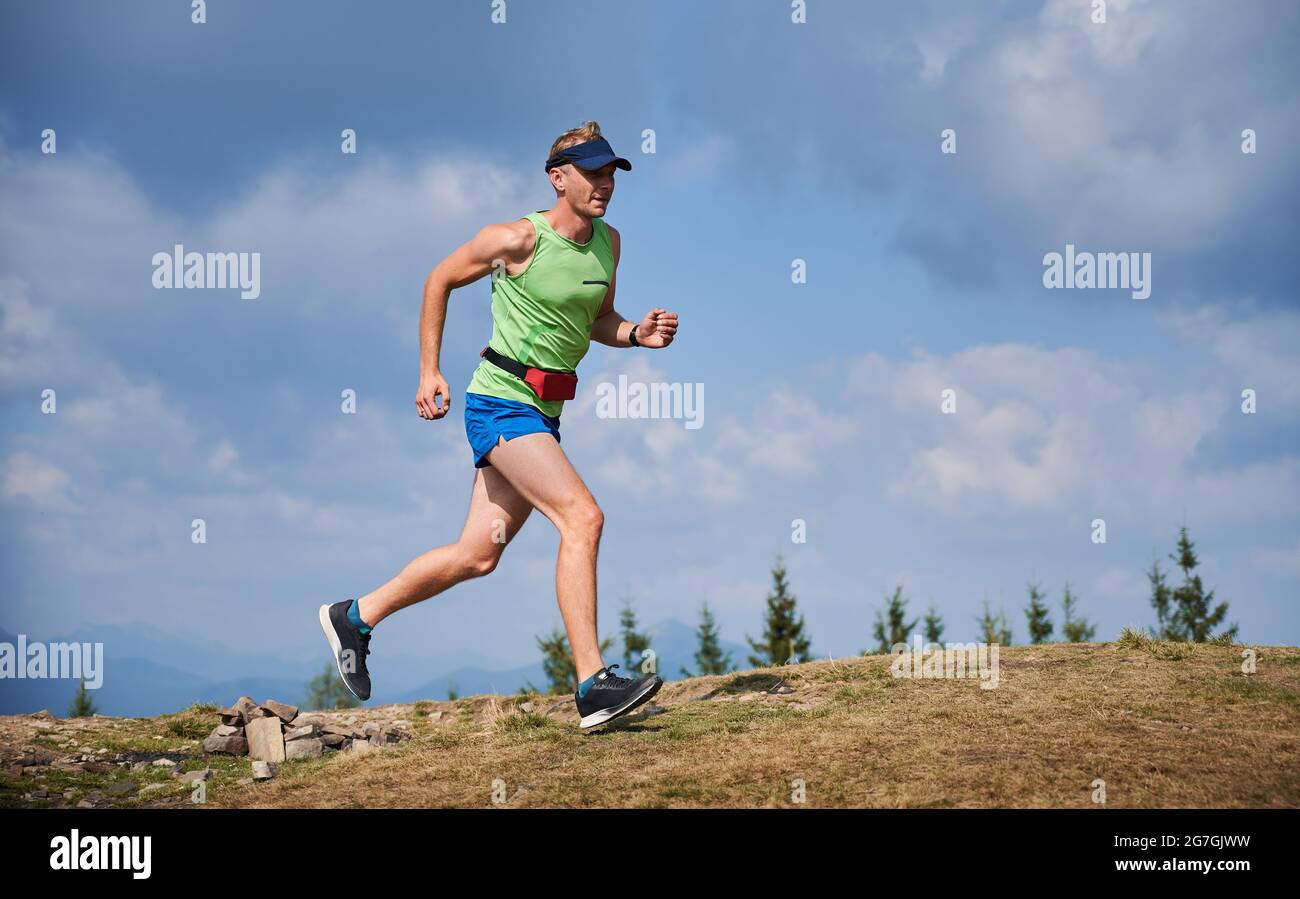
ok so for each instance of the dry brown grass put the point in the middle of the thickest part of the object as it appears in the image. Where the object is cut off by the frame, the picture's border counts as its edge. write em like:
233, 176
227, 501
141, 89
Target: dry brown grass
1164, 725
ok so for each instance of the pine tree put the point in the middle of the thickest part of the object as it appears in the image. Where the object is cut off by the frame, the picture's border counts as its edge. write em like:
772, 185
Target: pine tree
633, 643
327, 691
709, 658
82, 705
892, 626
783, 633
557, 662
933, 626
1040, 625
1075, 630
1192, 619
993, 628
1161, 596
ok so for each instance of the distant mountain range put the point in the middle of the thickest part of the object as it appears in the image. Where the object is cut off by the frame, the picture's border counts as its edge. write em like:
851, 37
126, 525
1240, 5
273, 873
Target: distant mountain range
148, 672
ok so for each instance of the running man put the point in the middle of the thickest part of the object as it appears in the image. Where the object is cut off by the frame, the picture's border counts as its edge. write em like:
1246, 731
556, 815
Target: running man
553, 281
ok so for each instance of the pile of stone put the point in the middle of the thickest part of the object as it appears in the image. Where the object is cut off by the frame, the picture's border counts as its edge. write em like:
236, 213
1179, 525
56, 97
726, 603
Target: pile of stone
273, 732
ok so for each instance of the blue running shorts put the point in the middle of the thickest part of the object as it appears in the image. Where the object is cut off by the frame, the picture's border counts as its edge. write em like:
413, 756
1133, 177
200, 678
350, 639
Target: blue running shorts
490, 417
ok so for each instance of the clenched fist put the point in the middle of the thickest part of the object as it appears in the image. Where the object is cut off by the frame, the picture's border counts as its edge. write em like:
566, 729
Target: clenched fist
432, 385
657, 329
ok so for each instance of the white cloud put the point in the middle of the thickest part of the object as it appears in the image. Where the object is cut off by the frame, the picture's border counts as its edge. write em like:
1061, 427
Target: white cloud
1257, 350
1068, 130
366, 237
27, 477
789, 434
1042, 431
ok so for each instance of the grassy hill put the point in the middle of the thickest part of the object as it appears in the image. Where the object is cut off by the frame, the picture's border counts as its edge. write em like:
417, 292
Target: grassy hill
1164, 725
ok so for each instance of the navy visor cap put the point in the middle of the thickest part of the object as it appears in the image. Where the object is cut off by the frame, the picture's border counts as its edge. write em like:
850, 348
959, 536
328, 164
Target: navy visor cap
589, 155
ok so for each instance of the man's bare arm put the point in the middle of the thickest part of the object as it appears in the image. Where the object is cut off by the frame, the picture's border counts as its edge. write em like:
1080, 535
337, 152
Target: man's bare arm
610, 328
468, 263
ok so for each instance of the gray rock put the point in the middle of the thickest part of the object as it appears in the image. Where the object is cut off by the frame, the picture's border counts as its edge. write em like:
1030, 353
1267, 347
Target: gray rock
121, 788
263, 770
283, 711
265, 739
309, 748
302, 732
226, 730
249, 710
341, 729
244, 781
237, 745
333, 740
164, 763
190, 777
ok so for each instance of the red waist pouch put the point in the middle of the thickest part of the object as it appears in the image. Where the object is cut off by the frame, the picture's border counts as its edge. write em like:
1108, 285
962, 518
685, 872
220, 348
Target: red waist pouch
552, 385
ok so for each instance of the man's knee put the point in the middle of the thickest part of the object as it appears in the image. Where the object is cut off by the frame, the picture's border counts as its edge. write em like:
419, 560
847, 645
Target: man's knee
484, 565
477, 561
583, 522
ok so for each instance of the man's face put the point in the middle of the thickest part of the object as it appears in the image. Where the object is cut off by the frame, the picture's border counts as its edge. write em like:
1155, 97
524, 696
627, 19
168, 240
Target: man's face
589, 192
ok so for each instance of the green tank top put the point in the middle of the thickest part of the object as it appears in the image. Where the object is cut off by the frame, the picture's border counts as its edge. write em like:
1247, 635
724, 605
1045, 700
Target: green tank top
542, 316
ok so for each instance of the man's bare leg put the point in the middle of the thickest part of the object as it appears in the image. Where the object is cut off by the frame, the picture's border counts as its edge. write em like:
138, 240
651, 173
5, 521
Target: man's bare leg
496, 513
538, 469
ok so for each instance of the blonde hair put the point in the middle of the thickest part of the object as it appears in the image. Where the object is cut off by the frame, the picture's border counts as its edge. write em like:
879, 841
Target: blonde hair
588, 131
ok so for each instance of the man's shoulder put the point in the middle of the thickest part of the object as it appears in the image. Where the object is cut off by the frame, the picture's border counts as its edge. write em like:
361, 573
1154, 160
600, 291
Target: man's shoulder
511, 239
521, 233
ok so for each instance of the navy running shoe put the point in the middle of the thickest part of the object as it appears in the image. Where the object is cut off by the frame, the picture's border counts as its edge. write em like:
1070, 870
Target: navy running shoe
350, 647
611, 696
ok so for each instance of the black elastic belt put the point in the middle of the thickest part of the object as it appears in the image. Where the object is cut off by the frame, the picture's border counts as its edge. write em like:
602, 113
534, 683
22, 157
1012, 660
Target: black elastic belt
516, 368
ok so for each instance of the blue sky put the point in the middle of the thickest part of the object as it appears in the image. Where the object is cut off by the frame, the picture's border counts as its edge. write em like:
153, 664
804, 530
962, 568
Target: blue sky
773, 142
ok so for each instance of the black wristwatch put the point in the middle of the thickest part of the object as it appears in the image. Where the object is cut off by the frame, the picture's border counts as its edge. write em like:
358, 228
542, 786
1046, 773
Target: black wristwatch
631, 336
